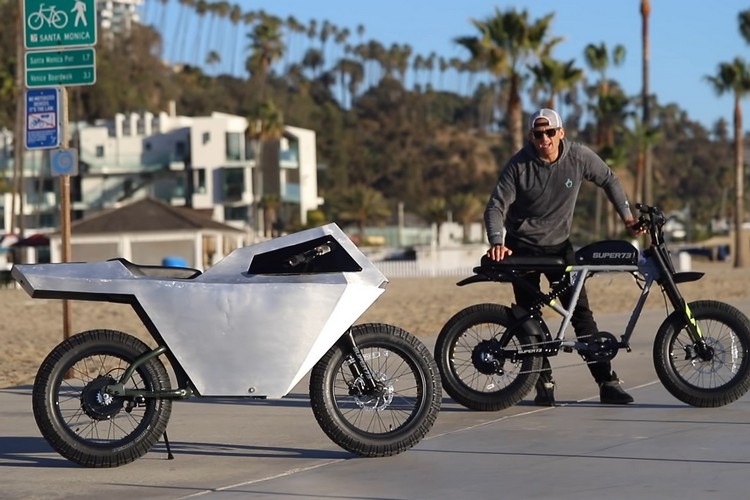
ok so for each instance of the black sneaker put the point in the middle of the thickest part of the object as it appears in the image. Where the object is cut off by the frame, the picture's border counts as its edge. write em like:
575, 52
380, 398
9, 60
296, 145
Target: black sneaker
612, 393
545, 394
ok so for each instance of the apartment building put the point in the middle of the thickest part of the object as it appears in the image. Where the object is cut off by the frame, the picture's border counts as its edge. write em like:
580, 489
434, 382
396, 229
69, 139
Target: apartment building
203, 162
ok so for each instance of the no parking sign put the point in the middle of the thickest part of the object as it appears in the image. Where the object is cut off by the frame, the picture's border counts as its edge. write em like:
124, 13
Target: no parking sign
43, 118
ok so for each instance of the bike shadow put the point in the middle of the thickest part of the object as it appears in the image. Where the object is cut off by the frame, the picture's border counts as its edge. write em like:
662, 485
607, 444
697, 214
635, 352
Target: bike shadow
597, 404
24, 451
28, 451
291, 400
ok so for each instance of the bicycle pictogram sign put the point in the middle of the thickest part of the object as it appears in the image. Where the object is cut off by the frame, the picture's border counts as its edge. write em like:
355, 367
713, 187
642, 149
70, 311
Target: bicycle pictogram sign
59, 23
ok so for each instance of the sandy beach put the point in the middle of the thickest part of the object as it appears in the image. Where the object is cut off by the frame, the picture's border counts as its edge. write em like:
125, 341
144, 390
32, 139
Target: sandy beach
30, 328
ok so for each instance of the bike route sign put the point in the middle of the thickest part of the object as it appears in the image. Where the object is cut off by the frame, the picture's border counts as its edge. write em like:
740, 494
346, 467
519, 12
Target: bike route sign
43, 118
60, 67
59, 23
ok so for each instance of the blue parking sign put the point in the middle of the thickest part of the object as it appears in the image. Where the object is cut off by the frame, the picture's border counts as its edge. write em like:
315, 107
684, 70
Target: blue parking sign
43, 118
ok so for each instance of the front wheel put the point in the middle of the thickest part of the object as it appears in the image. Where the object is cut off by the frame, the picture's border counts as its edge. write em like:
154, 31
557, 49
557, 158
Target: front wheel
389, 419
473, 367
84, 423
710, 376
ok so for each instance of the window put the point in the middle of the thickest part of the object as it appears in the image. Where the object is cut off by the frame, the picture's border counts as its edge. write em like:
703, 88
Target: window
206, 137
100, 151
199, 180
234, 146
180, 150
236, 213
234, 183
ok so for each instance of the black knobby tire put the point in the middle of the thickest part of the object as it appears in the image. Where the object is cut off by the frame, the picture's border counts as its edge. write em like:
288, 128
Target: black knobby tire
395, 419
720, 381
79, 420
463, 380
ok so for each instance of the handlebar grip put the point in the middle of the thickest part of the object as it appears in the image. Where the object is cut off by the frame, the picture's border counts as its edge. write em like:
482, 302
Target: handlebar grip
309, 255
296, 260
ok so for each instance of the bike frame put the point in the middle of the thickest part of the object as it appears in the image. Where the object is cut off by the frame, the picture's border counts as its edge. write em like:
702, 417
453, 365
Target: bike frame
654, 266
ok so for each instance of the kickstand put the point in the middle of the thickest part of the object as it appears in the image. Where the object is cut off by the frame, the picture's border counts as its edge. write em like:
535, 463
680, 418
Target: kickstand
169, 450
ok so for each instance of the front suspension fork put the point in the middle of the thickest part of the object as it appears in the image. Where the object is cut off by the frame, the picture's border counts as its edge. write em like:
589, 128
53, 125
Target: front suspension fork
678, 302
359, 368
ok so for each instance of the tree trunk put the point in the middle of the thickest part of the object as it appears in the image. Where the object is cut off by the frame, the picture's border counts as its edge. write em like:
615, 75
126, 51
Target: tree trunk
515, 115
648, 175
740, 259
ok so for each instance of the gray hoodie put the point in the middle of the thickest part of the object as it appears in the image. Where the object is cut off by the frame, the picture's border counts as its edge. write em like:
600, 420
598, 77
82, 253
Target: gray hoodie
534, 202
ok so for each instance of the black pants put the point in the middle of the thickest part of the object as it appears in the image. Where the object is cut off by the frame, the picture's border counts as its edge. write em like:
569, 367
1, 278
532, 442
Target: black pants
582, 319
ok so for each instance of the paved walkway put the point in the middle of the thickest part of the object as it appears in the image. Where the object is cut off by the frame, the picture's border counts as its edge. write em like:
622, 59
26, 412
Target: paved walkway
225, 448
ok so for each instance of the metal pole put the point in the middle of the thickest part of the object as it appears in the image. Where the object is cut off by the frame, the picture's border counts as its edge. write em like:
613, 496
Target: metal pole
65, 211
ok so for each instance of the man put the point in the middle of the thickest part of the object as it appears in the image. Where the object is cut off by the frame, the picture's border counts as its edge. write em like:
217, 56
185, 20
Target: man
530, 212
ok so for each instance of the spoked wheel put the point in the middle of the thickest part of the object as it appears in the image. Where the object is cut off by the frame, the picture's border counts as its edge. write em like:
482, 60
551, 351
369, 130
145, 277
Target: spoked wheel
472, 366
709, 375
394, 416
79, 419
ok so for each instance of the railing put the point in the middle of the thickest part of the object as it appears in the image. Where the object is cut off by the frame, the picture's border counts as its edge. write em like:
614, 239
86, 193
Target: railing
414, 269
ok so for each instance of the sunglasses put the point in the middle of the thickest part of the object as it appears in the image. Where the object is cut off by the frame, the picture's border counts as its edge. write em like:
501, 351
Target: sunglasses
550, 132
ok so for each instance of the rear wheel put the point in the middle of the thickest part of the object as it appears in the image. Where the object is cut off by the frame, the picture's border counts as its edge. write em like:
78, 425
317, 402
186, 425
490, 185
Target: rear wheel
84, 423
393, 417
710, 377
472, 366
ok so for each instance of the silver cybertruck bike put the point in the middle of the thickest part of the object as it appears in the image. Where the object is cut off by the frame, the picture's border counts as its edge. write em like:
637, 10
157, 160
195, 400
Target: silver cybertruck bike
253, 325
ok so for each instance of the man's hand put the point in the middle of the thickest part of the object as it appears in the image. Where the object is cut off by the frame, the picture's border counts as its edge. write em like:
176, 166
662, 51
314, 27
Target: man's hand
498, 252
631, 223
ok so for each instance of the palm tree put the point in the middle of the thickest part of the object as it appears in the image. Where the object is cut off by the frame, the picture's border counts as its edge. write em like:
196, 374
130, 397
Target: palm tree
467, 208
647, 192
555, 78
508, 43
266, 47
235, 16
201, 8
434, 210
598, 59
265, 126
642, 139
361, 205
734, 77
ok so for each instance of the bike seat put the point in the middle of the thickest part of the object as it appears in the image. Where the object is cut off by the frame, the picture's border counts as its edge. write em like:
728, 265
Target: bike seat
525, 263
179, 273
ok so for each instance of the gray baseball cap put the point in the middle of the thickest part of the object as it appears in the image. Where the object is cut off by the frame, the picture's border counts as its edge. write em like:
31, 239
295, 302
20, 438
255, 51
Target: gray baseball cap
553, 119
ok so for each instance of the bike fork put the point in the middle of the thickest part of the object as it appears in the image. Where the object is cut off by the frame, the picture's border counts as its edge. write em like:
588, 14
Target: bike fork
359, 368
678, 302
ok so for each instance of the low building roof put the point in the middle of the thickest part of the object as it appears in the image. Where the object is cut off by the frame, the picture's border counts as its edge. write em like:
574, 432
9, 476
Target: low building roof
145, 215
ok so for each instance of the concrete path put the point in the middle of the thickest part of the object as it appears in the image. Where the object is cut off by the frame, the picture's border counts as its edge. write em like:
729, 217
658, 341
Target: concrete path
225, 448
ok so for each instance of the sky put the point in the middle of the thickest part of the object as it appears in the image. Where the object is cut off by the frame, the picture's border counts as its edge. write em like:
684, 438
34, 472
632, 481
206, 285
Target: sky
689, 38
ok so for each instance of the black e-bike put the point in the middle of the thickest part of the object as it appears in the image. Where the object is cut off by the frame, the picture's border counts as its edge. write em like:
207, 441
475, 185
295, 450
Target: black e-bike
490, 355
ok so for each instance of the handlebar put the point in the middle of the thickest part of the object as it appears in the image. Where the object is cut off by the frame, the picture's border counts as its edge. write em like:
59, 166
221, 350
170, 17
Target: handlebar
308, 256
651, 219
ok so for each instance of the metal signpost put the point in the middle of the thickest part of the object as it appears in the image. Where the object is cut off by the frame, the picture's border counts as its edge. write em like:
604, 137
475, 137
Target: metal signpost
57, 35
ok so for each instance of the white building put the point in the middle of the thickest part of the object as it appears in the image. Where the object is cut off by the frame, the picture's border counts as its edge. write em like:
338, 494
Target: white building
117, 16
201, 162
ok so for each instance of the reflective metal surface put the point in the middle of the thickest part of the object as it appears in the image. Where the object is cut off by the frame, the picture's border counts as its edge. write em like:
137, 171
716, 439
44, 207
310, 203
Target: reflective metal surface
234, 333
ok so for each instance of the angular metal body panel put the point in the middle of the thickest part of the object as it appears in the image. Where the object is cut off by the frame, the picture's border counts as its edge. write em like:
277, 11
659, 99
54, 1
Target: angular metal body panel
234, 333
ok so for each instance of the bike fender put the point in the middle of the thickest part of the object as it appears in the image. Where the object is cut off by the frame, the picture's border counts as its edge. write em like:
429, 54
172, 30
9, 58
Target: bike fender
687, 276
477, 278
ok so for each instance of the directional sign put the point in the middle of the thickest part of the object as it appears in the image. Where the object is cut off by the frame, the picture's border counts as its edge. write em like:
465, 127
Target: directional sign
59, 23
64, 161
61, 67
43, 118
